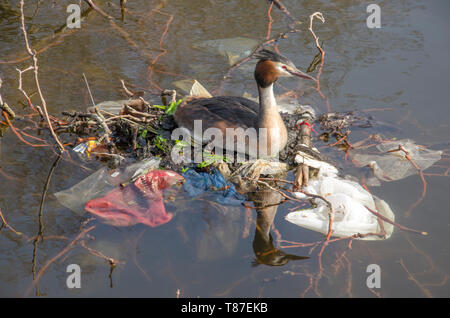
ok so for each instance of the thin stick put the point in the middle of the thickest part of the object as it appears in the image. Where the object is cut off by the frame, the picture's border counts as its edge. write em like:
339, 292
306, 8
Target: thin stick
9, 226
422, 177
21, 89
89, 89
319, 16
395, 224
36, 77
127, 91
269, 26
330, 213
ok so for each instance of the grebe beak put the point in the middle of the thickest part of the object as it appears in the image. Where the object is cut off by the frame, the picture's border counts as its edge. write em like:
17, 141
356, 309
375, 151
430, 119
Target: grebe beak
299, 73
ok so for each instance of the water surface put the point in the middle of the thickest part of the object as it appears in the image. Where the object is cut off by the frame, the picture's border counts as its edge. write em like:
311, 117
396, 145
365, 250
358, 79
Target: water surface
398, 73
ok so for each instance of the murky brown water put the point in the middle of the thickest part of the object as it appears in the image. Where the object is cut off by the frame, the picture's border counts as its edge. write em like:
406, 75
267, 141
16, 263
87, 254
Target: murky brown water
206, 250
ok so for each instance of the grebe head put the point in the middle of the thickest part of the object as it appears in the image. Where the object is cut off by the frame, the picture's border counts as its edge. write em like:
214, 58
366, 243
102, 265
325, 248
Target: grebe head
272, 65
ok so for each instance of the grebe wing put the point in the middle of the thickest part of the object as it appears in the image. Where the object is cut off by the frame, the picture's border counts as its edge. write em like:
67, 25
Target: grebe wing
229, 111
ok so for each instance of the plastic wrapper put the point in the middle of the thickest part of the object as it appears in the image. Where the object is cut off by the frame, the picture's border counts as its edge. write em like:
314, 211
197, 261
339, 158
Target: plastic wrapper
350, 203
390, 166
101, 182
350, 217
233, 49
223, 192
138, 202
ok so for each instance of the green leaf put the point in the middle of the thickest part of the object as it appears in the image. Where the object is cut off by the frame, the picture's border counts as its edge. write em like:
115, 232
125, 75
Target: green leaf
173, 107
210, 159
144, 133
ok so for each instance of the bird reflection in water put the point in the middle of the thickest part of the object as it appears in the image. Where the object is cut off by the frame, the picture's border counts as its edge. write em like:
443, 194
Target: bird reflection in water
266, 204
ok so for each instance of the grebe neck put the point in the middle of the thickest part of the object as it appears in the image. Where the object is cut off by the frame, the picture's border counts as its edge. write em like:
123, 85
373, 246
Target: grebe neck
267, 102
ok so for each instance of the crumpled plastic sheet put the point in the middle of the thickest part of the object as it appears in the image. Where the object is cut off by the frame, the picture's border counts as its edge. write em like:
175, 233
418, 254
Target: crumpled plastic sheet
233, 49
138, 202
224, 192
349, 201
391, 166
101, 182
192, 87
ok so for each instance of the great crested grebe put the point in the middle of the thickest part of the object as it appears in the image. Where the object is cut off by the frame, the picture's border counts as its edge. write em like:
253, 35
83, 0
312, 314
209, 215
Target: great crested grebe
240, 114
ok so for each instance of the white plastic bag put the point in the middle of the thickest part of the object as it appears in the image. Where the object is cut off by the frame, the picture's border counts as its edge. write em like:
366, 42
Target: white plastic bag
350, 203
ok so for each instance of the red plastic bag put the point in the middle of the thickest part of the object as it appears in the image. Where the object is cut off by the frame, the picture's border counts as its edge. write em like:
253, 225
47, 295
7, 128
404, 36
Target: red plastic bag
139, 202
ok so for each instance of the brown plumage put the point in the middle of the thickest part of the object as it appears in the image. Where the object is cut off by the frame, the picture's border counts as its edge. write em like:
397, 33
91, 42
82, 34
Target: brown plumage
237, 112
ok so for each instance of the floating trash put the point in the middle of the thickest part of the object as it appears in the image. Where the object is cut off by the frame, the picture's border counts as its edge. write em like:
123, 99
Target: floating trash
192, 87
233, 49
113, 106
139, 202
224, 192
101, 182
86, 147
350, 203
350, 217
388, 165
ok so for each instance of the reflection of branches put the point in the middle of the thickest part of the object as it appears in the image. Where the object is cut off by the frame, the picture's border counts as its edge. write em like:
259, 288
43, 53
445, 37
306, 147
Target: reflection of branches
411, 277
119, 29
41, 223
283, 9
56, 257
7, 225
17, 133
268, 41
132, 43
163, 50
44, 193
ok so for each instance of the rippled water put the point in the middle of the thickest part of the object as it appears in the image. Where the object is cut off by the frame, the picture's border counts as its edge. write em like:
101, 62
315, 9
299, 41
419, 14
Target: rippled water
397, 73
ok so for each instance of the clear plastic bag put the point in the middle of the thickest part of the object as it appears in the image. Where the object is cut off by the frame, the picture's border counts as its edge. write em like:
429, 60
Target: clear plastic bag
101, 182
390, 166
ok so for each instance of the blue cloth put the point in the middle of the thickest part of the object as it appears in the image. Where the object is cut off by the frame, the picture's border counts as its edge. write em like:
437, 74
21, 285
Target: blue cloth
197, 183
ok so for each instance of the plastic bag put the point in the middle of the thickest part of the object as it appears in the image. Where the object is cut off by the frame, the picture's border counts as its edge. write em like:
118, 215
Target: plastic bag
224, 192
390, 166
234, 49
101, 182
349, 201
137, 202
192, 87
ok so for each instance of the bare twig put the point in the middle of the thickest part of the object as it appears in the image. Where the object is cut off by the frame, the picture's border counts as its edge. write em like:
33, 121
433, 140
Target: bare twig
22, 90
9, 226
127, 91
101, 120
89, 90
395, 224
319, 16
36, 78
